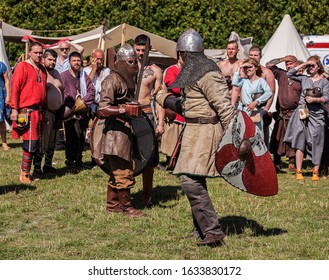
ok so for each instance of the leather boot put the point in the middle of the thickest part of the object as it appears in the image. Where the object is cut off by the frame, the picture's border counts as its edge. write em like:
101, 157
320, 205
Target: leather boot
25, 178
112, 201
125, 201
212, 240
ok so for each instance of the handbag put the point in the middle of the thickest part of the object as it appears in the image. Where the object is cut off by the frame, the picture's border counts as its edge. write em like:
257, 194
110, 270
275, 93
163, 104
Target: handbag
303, 113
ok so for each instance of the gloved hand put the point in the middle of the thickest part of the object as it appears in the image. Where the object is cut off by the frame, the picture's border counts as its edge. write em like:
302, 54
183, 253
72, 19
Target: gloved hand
132, 109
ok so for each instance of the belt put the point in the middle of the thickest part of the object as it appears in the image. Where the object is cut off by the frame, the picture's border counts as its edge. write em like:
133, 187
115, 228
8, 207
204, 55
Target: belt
31, 109
147, 110
202, 120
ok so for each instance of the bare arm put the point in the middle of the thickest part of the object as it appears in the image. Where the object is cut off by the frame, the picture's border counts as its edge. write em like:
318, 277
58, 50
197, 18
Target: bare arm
79, 48
7, 86
273, 62
235, 93
270, 79
160, 111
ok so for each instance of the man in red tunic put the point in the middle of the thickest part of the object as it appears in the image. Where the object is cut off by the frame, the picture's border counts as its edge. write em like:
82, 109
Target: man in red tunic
27, 100
173, 121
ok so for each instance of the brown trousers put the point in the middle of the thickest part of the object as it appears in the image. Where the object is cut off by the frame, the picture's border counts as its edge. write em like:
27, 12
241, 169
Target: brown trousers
122, 173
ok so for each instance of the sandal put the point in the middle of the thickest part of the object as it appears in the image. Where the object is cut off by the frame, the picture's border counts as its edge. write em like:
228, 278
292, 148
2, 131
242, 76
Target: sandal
5, 146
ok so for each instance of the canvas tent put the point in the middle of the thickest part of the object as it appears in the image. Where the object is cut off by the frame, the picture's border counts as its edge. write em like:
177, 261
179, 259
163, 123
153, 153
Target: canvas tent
284, 41
3, 54
122, 34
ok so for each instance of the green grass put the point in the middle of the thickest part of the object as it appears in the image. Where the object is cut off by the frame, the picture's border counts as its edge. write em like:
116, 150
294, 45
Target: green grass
64, 218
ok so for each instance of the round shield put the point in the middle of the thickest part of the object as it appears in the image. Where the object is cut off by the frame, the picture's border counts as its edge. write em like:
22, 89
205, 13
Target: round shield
144, 139
143, 136
254, 172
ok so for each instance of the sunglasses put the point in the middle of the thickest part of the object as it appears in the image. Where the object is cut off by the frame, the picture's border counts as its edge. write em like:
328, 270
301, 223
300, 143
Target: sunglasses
247, 67
64, 49
311, 66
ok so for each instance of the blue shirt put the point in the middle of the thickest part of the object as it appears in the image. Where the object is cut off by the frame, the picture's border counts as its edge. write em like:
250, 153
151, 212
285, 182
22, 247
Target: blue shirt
62, 68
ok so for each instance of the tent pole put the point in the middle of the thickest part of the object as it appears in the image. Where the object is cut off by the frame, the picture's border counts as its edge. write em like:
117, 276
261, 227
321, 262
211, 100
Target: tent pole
123, 34
26, 50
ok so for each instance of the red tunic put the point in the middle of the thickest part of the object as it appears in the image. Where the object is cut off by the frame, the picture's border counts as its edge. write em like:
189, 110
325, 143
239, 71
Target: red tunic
170, 76
28, 92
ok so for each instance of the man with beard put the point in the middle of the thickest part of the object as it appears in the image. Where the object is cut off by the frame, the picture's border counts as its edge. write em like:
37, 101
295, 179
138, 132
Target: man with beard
77, 84
27, 100
52, 120
152, 79
117, 140
208, 110
288, 97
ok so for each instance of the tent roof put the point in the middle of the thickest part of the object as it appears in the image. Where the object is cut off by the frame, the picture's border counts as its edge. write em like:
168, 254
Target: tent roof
54, 40
123, 33
285, 41
13, 34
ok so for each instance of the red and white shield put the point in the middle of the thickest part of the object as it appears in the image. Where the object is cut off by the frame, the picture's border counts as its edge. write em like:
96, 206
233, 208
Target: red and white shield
255, 174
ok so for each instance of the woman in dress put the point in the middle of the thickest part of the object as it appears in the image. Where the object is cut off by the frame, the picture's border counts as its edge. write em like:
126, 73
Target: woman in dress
307, 135
4, 100
255, 91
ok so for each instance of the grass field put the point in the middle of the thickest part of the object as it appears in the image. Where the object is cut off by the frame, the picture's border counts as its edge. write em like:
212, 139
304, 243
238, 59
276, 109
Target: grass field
64, 217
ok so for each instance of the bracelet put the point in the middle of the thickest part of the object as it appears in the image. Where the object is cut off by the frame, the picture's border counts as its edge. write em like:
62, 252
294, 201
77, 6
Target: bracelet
160, 124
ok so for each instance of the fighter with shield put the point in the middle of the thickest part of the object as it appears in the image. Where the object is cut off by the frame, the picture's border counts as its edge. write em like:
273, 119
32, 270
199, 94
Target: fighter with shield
208, 111
115, 137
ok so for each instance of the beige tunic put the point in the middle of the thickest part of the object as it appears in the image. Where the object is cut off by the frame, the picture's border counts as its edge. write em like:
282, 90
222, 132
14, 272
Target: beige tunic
209, 97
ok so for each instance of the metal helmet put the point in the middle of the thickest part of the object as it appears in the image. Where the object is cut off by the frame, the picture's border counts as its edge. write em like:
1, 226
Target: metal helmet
126, 51
190, 41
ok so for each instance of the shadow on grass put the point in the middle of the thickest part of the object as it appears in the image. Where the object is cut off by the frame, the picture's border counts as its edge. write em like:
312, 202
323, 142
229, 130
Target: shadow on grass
16, 188
160, 196
237, 225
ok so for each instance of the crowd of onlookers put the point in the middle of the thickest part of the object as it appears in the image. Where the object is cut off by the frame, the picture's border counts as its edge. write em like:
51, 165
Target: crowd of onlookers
64, 79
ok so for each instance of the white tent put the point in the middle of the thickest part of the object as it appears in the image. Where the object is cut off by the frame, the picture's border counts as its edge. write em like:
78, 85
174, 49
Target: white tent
284, 41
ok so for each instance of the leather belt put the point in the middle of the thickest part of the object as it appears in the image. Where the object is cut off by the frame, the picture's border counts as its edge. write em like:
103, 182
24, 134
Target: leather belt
202, 120
147, 109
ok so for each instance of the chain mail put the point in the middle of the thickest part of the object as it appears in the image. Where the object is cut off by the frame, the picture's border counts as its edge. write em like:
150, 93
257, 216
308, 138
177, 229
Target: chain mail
195, 66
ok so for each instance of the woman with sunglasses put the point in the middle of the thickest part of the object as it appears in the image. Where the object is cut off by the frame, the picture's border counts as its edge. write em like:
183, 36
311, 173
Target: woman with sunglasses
255, 91
307, 135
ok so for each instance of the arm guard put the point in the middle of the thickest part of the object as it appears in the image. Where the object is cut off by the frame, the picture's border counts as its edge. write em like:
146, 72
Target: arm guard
168, 100
174, 103
110, 112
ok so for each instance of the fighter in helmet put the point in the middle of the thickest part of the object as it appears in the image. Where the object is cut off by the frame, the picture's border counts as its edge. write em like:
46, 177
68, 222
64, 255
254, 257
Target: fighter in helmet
207, 110
117, 140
